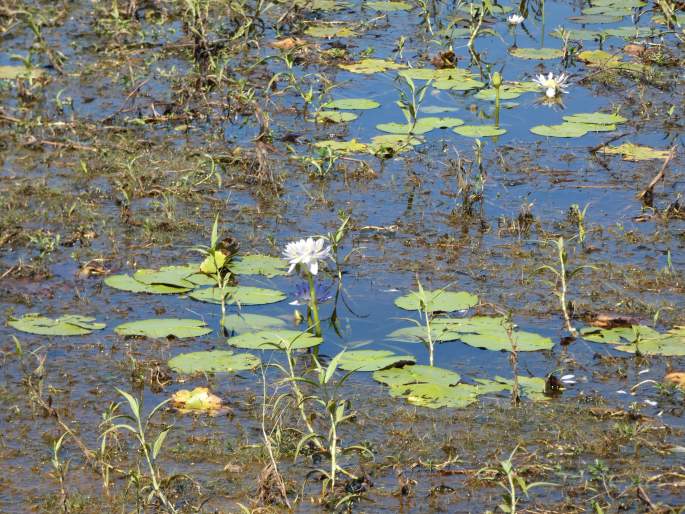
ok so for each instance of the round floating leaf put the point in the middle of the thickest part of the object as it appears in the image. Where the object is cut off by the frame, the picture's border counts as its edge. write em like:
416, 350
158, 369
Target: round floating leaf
537, 53
351, 103
128, 283
490, 94
369, 66
595, 118
436, 74
670, 344
435, 396
417, 374
440, 300
14, 72
173, 276
216, 361
343, 147
241, 323
422, 126
68, 325
417, 334
329, 31
243, 295
562, 130
479, 131
532, 387
335, 116
632, 32
259, 265
437, 109
275, 340
388, 6
159, 328
631, 152
577, 34
587, 19
371, 360
498, 340
458, 84
618, 335
392, 143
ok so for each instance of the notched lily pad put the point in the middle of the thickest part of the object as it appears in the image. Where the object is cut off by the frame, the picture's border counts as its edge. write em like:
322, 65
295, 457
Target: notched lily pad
67, 325
422, 126
389, 6
479, 131
130, 284
537, 53
159, 328
257, 264
215, 361
275, 340
343, 147
369, 66
242, 295
355, 104
241, 323
372, 360
335, 116
440, 300
329, 31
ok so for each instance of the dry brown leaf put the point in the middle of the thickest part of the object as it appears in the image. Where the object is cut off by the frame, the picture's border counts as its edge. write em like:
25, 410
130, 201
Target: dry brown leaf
676, 377
287, 43
606, 320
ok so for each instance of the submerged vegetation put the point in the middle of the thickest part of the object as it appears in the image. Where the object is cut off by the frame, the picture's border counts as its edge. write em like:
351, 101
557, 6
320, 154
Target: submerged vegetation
373, 256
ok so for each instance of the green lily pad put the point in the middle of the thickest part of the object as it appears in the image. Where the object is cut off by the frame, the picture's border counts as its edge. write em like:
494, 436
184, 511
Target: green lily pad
618, 335
498, 340
351, 103
595, 118
159, 328
479, 131
490, 94
371, 360
416, 374
422, 126
439, 300
172, 276
632, 152
68, 325
458, 84
369, 66
256, 264
275, 340
437, 109
632, 32
531, 387
562, 130
418, 334
395, 143
243, 295
436, 74
670, 344
128, 283
15, 72
388, 6
587, 19
343, 147
602, 59
241, 323
215, 361
335, 116
537, 53
329, 31
578, 34
435, 396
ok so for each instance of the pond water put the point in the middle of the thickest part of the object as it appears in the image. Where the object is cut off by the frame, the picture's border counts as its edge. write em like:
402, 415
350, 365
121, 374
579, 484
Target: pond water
128, 127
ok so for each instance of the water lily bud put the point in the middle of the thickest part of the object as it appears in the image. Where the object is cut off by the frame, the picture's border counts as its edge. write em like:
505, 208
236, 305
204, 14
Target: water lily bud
497, 79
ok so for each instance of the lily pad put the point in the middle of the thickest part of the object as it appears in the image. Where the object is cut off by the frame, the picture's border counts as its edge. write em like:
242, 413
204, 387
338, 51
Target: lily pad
498, 340
351, 103
15, 72
440, 300
260, 265
436, 74
335, 116
159, 328
458, 84
241, 323
243, 295
562, 130
171, 276
422, 126
343, 147
275, 340
670, 344
388, 6
371, 360
537, 53
416, 374
128, 283
215, 361
435, 396
329, 31
394, 143
577, 34
68, 325
595, 118
369, 66
632, 152
479, 131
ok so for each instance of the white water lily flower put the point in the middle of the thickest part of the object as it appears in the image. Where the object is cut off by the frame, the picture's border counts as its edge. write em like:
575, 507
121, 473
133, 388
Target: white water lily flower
515, 19
307, 252
552, 85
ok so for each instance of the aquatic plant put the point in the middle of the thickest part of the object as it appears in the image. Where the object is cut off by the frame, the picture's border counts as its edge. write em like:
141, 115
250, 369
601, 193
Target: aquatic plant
554, 85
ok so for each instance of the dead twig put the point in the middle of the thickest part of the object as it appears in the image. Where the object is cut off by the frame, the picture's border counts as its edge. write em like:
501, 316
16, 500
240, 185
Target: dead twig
647, 194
